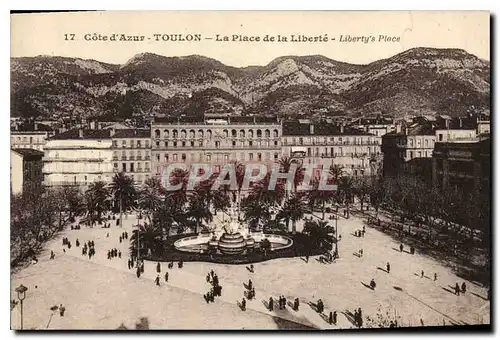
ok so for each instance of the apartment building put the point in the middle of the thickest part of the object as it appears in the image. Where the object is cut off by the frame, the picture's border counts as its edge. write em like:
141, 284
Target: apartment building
216, 141
78, 157
324, 144
132, 153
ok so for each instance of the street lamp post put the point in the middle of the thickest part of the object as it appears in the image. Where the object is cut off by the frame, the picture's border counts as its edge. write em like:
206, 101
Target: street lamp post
138, 237
21, 295
336, 236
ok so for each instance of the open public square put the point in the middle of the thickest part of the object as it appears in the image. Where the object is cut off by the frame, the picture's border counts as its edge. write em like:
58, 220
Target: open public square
103, 293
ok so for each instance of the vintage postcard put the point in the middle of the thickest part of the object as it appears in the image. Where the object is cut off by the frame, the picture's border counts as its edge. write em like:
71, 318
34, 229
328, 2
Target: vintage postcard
204, 170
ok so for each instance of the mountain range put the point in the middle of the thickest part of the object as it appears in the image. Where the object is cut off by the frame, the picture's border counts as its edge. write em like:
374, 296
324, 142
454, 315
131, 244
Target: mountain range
419, 80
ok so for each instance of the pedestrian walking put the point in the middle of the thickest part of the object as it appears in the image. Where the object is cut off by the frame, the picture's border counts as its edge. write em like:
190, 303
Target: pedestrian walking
250, 284
271, 303
77, 243
330, 318
464, 288
166, 276
52, 255
422, 274
296, 304
243, 304
62, 309
157, 280
335, 317
401, 248
119, 254
435, 276
388, 266
457, 289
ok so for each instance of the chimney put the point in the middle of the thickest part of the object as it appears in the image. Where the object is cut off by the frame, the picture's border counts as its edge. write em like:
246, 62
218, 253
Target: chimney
80, 133
311, 129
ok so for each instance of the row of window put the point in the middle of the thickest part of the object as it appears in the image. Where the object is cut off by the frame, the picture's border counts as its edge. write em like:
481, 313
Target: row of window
133, 144
174, 133
133, 167
26, 140
202, 157
216, 144
330, 140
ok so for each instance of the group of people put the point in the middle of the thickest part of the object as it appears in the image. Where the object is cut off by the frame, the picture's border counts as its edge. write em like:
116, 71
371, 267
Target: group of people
112, 253
88, 248
460, 289
360, 233
66, 242
123, 236
358, 318
215, 289
250, 290
412, 249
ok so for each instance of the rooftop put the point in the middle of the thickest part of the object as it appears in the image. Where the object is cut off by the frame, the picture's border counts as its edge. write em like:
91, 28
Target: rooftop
86, 134
298, 128
30, 127
132, 133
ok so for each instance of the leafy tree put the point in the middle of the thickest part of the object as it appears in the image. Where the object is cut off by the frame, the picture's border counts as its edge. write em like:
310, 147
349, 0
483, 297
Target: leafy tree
293, 210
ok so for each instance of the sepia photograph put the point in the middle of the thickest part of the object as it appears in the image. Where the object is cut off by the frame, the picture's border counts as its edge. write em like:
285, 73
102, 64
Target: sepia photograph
250, 170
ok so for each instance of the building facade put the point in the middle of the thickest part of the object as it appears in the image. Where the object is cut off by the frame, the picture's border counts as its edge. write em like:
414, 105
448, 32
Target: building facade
29, 135
78, 157
215, 141
132, 153
25, 169
463, 164
323, 145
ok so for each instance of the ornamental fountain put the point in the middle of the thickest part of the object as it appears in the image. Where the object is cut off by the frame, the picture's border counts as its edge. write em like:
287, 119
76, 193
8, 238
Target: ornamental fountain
230, 237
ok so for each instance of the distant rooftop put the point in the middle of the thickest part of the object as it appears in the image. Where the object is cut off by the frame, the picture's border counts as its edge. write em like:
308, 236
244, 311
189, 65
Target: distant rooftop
86, 134
298, 128
30, 127
132, 133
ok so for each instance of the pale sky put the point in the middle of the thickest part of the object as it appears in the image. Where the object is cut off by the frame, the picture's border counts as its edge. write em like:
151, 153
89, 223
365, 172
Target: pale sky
44, 34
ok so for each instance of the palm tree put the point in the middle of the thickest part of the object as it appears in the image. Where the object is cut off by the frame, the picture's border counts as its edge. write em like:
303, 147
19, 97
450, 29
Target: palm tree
316, 195
255, 211
346, 189
97, 199
286, 163
123, 191
319, 234
293, 210
150, 238
151, 196
198, 208
240, 177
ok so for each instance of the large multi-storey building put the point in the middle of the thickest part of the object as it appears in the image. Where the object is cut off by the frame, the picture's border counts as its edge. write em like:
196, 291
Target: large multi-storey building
78, 157
215, 141
410, 148
132, 153
323, 144
29, 135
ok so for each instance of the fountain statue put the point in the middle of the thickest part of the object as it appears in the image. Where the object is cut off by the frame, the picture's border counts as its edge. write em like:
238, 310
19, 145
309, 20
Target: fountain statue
229, 237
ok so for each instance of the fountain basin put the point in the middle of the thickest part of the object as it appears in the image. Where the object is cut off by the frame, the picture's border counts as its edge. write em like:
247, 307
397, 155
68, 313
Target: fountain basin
231, 244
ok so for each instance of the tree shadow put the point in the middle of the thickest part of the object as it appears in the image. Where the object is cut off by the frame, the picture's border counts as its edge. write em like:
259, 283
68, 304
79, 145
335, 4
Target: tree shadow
367, 286
479, 296
382, 269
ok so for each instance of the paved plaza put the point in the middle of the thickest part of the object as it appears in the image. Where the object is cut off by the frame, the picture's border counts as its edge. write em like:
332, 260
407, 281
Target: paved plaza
104, 294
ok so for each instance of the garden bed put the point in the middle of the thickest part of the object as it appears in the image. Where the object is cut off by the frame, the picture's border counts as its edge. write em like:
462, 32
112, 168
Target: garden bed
300, 247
